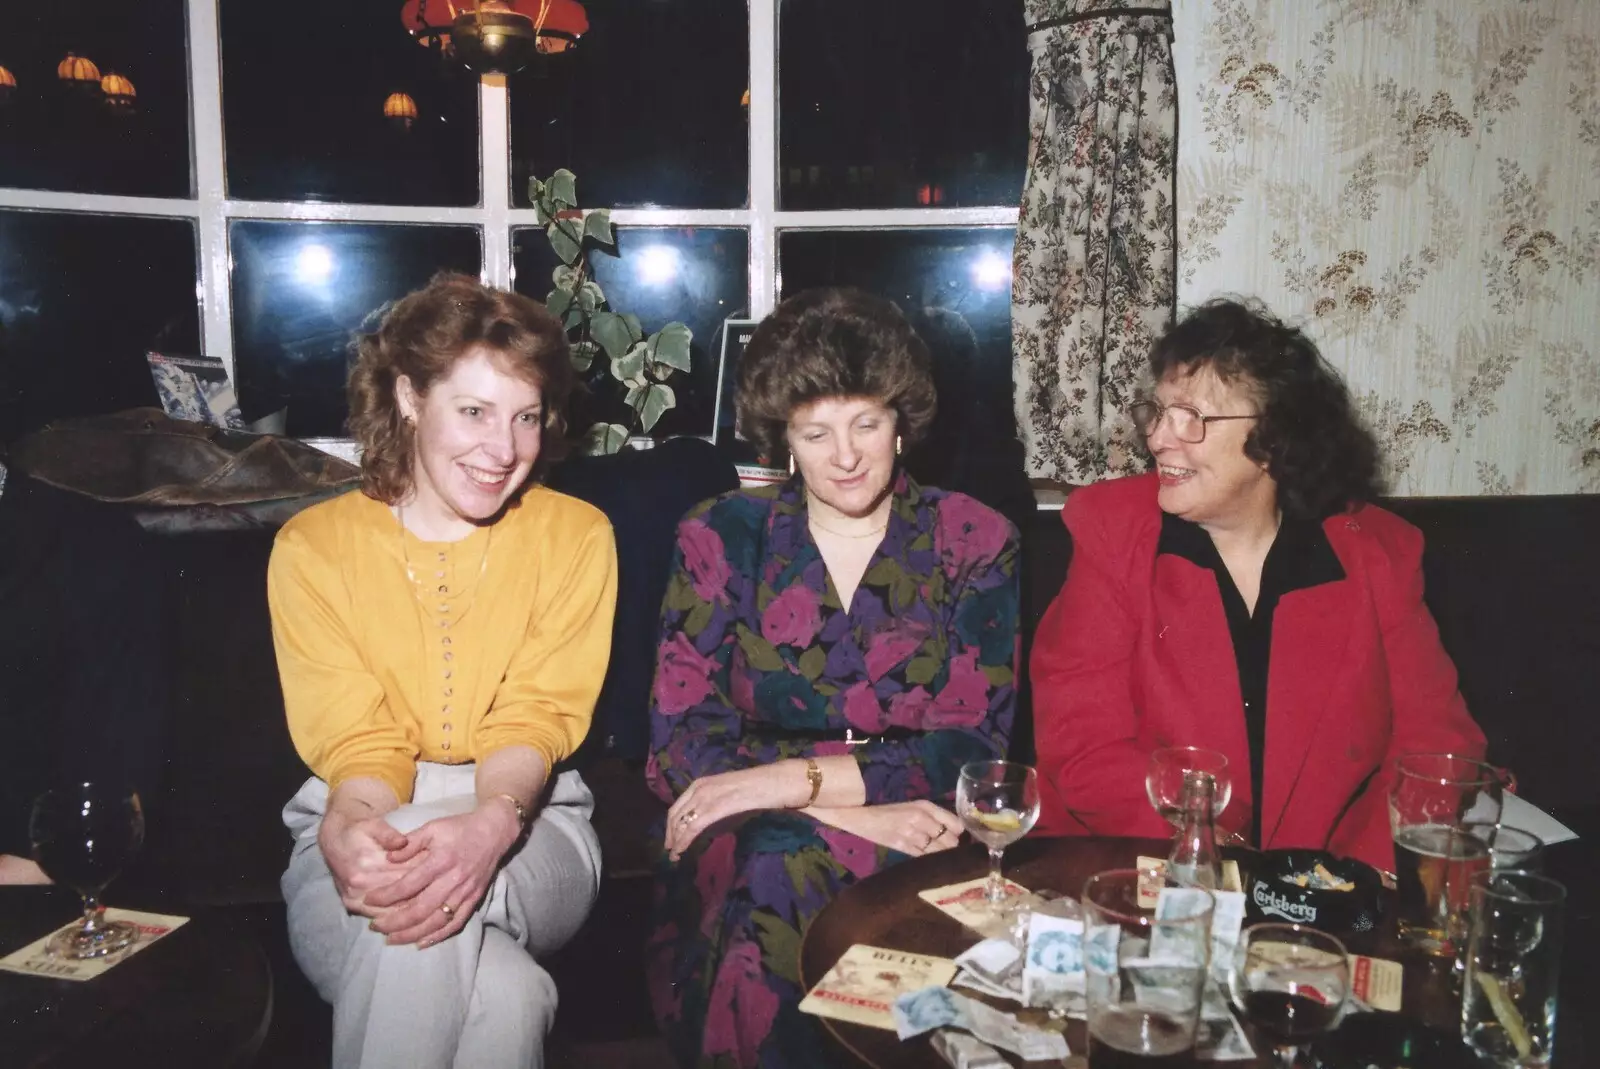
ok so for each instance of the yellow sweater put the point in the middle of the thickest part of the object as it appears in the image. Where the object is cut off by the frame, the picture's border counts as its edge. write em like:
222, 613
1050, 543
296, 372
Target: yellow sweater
392, 650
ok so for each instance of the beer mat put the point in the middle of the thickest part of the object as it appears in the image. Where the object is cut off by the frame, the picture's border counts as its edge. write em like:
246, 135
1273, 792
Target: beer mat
966, 903
1376, 982
35, 960
863, 984
1152, 877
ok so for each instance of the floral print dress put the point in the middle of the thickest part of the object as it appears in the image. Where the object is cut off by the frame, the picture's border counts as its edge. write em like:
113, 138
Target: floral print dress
759, 662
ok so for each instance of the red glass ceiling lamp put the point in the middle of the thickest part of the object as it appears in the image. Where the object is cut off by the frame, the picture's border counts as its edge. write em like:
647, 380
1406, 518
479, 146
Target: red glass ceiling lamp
496, 36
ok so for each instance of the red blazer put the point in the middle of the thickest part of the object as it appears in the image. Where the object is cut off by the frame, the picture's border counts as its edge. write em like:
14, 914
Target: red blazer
1135, 654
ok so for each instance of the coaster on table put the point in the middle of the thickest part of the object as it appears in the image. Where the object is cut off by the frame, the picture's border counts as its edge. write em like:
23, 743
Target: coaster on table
863, 984
35, 960
966, 902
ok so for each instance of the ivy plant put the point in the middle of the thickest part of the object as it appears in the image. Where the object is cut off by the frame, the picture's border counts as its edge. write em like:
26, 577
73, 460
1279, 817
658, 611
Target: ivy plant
640, 365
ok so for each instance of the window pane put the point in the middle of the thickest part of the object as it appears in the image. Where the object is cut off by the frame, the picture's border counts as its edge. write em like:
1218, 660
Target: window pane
70, 135
955, 287
901, 103
303, 104
695, 276
82, 299
301, 289
645, 108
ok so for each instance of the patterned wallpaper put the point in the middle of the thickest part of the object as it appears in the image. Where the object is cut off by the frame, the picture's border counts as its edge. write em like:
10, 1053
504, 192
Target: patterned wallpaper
1418, 181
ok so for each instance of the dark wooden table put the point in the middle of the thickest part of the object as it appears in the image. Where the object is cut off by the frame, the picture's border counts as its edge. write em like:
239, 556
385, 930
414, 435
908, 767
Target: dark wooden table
201, 996
884, 911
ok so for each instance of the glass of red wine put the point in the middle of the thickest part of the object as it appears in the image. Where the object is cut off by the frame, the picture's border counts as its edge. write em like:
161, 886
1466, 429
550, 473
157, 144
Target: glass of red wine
82, 837
1290, 982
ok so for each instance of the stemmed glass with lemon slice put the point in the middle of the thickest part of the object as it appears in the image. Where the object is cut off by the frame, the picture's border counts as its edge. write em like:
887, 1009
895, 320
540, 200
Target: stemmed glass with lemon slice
998, 801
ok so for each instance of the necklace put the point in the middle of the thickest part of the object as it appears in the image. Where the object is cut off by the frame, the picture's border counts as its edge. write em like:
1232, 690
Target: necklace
842, 534
411, 574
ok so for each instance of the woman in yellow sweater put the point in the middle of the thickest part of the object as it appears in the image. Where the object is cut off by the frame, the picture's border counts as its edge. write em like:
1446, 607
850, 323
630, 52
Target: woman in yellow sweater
442, 636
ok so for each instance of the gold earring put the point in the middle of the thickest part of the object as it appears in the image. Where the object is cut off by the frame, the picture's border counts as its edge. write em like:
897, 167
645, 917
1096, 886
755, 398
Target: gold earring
897, 445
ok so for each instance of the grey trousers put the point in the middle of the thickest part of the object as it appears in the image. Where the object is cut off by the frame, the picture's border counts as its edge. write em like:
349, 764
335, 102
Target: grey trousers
478, 1000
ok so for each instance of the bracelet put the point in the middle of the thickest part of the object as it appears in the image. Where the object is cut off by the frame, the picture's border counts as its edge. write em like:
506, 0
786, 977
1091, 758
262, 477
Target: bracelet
522, 810
813, 777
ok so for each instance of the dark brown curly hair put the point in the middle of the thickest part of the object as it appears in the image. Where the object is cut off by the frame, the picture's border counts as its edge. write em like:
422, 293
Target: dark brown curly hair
1309, 436
833, 342
421, 336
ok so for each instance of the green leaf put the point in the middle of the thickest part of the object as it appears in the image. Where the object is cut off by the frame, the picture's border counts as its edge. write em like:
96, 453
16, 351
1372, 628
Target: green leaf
591, 296
565, 277
597, 225
698, 618
558, 302
670, 345
635, 331
574, 317
604, 438
921, 670
758, 652
656, 402
629, 367
812, 662
635, 397
611, 332
563, 188
583, 355
542, 212
535, 189
566, 246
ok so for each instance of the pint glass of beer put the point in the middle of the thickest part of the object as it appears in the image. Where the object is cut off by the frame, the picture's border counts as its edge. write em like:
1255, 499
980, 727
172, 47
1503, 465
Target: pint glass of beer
1433, 798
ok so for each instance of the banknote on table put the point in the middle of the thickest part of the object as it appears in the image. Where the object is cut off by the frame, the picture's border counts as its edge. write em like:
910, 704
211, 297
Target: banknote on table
1227, 919
992, 967
964, 1052
1053, 964
939, 1007
1179, 942
1222, 1040
864, 982
967, 904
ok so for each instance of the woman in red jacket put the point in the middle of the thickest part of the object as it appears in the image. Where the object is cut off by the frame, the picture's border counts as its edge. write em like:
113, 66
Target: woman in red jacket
1245, 597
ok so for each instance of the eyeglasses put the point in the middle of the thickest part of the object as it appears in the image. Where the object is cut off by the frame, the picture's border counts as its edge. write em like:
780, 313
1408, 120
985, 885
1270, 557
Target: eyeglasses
1187, 422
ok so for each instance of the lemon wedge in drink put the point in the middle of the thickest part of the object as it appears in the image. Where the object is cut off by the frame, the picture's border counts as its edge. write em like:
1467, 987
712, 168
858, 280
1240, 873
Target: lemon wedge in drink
1003, 821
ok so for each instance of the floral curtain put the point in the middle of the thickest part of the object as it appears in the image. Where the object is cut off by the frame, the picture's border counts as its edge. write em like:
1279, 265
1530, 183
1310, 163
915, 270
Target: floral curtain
1418, 182
1095, 263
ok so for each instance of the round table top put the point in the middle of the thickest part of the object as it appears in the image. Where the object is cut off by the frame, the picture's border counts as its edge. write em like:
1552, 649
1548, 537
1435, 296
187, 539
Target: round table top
202, 995
884, 911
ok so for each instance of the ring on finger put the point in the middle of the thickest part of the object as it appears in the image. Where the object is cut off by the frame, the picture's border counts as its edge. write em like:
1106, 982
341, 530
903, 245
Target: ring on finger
688, 817
448, 910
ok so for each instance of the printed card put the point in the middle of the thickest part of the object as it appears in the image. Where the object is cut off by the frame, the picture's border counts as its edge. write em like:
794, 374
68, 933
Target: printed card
1152, 878
35, 960
863, 984
1376, 982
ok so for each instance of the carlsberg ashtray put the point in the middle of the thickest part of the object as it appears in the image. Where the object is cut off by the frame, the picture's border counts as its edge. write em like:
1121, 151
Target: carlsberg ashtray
1312, 887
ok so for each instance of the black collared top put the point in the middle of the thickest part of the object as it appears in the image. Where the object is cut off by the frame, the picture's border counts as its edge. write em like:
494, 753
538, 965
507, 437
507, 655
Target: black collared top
1300, 557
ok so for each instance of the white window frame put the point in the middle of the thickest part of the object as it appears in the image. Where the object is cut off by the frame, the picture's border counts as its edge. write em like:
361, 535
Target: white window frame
212, 210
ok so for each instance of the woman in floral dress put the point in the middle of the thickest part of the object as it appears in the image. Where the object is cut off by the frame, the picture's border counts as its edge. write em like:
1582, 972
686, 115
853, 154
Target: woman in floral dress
833, 650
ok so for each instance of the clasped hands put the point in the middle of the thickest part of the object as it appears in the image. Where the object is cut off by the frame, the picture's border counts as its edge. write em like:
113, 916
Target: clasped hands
918, 827
419, 887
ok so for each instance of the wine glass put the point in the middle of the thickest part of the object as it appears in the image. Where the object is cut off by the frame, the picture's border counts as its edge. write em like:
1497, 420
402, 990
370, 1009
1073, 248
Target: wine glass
998, 801
1163, 782
1290, 982
82, 837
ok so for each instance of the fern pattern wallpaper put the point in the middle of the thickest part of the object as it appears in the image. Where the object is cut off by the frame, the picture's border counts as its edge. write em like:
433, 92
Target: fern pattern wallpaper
1418, 183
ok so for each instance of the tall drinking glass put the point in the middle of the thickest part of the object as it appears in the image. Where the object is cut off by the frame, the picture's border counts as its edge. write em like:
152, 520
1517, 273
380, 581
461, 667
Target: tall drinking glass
1433, 796
1508, 1004
998, 801
82, 837
1163, 780
1146, 969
